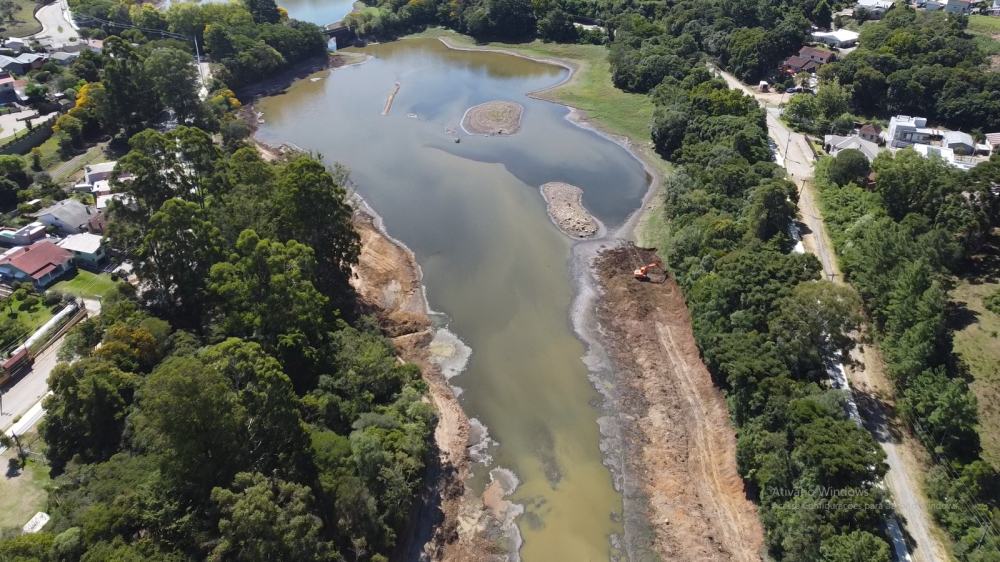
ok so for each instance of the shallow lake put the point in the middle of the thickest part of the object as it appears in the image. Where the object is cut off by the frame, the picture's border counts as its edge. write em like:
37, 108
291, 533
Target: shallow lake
494, 265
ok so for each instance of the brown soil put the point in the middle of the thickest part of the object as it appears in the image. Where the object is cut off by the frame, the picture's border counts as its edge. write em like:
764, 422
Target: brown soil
493, 118
387, 279
566, 208
685, 461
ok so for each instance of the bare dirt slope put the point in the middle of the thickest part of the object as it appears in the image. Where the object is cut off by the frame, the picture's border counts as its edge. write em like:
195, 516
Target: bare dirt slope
450, 524
686, 463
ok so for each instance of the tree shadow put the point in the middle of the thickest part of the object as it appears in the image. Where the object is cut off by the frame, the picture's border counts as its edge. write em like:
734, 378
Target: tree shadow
959, 315
803, 228
14, 468
880, 417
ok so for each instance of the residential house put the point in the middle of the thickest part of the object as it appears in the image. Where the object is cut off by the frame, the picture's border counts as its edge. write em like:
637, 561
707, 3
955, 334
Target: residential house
958, 7
6, 84
961, 143
94, 173
41, 264
993, 139
87, 249
795, 64
946, 154
905, 130
97, 224
816, 55
833, 144
95, 45
870, 132
841, 38
22, 236
876, 8
14, 44
64, 59
23, 63
68, 216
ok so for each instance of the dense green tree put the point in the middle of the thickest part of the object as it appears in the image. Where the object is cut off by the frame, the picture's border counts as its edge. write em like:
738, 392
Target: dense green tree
189, 414
174, 76
267, 519
263, 11
85, 414
849, 166
313, 210
858, 546
771, 211
818, 318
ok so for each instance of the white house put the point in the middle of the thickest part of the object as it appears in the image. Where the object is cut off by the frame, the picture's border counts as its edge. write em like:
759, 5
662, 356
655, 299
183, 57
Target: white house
14, 44
87, 249
94, 173
840, 38
946, 154
68, 216
905, 130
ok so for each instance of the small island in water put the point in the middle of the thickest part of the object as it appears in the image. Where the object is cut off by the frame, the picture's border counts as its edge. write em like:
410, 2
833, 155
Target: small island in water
493, 118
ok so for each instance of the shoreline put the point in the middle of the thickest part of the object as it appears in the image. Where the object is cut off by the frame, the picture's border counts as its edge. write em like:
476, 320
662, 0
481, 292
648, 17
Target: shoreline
469, 520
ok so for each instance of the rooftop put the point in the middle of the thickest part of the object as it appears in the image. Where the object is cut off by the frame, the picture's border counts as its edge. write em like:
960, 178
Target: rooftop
842, 35
958, 137
826, 56
103, 167
83, 243
69, 211
38, 259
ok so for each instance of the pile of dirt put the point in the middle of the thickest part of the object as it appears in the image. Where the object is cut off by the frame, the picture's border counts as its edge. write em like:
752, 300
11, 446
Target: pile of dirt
493, 118
685, 458
565, 207
448, 524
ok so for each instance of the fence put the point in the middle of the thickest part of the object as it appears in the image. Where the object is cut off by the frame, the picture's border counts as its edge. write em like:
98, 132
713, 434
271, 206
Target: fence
23, 144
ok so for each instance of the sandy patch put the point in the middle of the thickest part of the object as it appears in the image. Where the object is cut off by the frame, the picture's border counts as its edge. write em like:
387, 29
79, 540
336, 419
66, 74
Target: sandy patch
565, 208
493, 118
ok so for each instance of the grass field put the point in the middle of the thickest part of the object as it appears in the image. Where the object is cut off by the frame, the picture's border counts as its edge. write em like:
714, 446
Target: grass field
978, 343
32, 318
25, 22
85, 284
22, 491
984, 24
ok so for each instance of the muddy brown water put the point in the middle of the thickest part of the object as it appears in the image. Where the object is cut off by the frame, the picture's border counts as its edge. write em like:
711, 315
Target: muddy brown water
494, 264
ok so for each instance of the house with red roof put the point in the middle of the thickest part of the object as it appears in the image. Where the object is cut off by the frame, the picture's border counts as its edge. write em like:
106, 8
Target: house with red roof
41, 264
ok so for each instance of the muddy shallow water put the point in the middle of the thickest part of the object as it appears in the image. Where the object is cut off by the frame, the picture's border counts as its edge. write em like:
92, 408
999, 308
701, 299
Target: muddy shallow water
494, 265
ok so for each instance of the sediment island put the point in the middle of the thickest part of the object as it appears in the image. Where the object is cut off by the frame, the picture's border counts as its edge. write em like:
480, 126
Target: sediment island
493, 118
565, 207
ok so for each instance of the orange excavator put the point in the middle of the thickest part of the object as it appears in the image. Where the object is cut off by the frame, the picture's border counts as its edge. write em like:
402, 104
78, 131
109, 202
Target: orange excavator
653, 273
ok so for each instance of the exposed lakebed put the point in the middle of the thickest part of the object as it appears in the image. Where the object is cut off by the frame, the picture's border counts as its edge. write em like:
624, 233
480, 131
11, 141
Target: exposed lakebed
494, 264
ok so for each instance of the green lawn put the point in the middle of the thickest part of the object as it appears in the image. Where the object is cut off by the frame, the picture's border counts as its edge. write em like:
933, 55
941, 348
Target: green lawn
32, 317
984, 24
978, 343
22, 491
24, 21
85, 284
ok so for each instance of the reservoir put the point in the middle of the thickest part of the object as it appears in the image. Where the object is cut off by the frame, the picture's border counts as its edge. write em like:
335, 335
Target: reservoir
494, 265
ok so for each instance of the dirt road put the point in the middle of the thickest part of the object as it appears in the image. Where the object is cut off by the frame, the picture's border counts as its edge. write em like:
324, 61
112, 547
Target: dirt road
904, 477
686, 464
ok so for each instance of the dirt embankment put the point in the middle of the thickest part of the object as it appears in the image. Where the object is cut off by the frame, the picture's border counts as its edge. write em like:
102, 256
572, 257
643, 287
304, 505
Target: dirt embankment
493, 118
450, 525
682, 448
565, 206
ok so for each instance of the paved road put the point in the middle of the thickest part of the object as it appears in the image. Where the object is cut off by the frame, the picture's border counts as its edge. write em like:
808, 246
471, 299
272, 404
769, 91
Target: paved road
24, 392
10, 124
52, 17
902, 480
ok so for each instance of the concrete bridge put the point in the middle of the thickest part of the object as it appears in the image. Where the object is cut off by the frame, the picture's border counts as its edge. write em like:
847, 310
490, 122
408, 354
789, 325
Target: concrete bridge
338, 31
